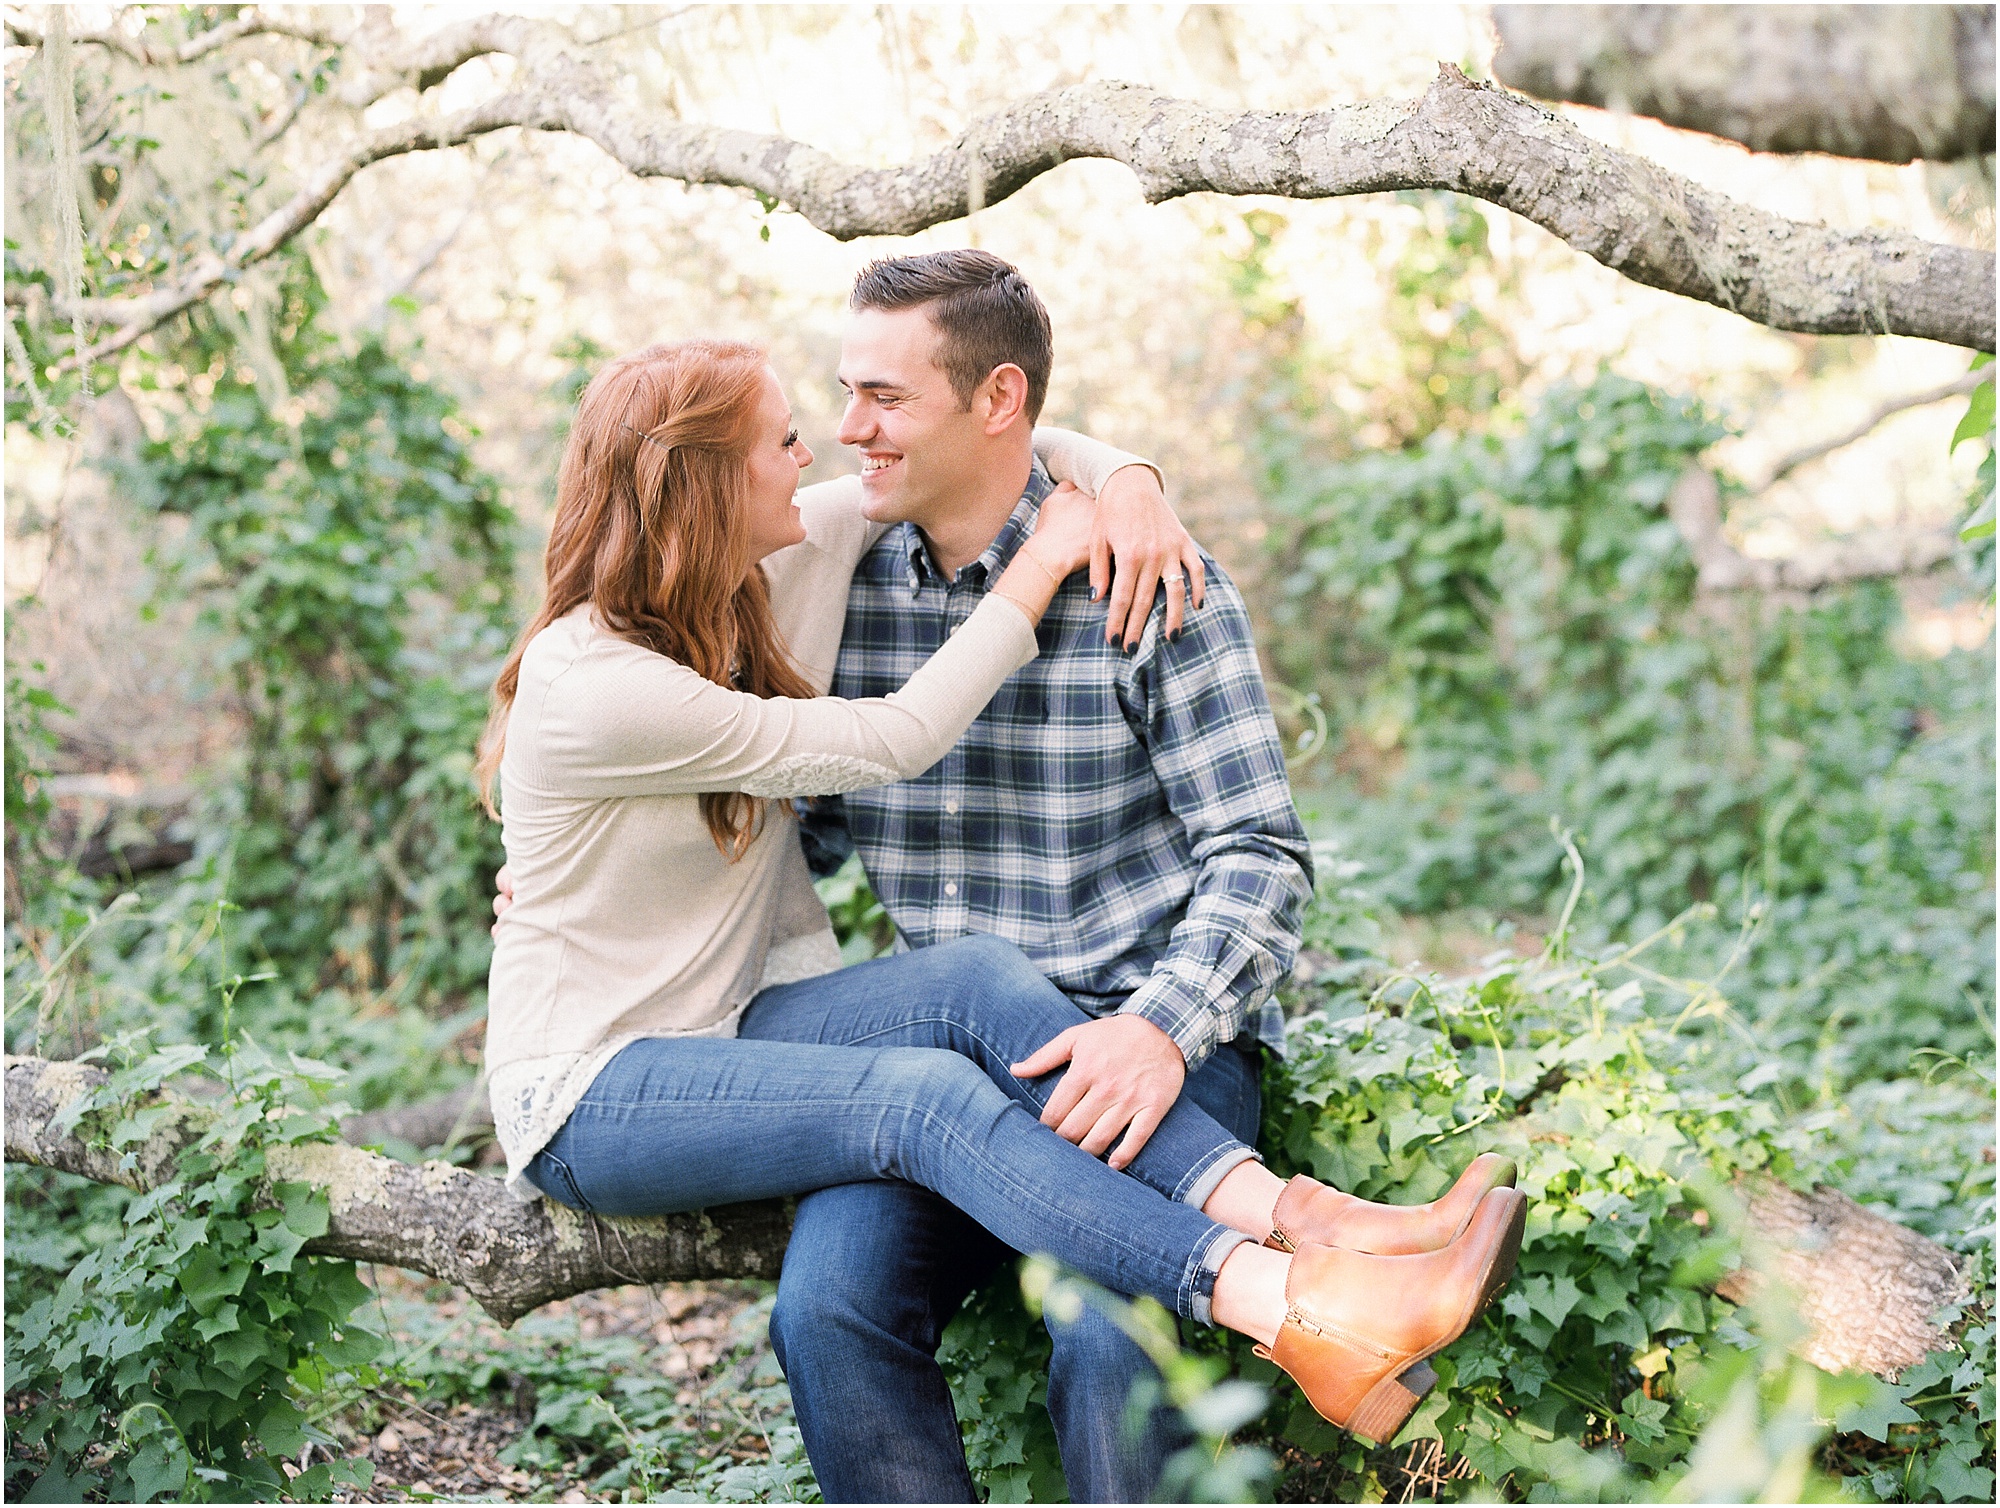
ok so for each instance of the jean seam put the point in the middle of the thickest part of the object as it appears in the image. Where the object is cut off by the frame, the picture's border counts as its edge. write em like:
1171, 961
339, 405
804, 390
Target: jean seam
1030, 1196
946, 1021
567, 1175
1234, 1149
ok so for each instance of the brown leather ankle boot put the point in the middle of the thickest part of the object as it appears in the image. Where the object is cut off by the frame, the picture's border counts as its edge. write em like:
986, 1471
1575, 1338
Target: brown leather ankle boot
1311, 1214
1359, 1326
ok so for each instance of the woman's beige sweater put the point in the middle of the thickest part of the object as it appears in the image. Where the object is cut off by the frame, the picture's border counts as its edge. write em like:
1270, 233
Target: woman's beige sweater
627, 921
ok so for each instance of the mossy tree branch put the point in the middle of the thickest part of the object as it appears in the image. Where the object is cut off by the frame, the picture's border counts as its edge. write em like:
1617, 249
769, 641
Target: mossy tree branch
431, 1218
1651, 225
1868, 1286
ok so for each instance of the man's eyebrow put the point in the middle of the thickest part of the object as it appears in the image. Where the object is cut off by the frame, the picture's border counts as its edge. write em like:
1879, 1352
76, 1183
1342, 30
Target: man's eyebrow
869, 384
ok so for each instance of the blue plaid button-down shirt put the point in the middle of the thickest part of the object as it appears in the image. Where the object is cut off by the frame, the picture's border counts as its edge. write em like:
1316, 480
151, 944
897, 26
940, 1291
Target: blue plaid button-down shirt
1126, 820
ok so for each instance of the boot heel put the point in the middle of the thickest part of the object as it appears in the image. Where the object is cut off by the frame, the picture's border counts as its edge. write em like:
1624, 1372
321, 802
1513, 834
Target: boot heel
1389, 1404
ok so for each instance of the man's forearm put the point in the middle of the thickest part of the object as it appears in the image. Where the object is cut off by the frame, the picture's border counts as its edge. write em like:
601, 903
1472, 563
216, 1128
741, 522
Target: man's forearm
1237, 940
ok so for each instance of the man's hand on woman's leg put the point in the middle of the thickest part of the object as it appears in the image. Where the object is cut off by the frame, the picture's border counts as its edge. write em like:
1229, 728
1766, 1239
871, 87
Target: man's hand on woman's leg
1124, 1076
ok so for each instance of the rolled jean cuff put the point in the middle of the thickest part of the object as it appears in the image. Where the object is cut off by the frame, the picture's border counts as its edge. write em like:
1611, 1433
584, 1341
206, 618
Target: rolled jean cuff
1204, 1176
1198, 1287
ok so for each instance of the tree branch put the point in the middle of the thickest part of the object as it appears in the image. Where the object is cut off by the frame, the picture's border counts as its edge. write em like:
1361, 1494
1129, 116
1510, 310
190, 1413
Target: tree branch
1633, 216
1965, 382
1888, 82
24, 33
1868, 1286
391, 62
147, 312
1695, 505
436, 1219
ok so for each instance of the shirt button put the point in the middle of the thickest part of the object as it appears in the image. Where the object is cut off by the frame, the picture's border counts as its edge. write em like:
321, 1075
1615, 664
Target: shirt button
951, 887
954, 628
951, 808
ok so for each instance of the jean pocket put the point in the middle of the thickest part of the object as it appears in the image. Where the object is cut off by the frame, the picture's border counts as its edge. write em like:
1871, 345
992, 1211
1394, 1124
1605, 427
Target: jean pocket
552, 1176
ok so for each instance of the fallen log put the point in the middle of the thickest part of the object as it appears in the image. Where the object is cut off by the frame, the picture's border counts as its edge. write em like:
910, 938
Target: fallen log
446, 1222
1869, 1288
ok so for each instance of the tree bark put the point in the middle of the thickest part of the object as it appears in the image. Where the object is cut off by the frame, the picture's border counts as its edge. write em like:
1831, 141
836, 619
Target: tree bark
1695, 505
433, 1218
1868, 1286
1632, 215
1887, 82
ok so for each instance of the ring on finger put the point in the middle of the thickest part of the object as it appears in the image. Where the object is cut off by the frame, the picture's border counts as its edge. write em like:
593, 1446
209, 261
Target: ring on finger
1174, 580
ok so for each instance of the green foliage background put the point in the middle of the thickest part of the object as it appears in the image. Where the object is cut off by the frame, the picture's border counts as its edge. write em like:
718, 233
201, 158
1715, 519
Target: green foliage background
1767, 899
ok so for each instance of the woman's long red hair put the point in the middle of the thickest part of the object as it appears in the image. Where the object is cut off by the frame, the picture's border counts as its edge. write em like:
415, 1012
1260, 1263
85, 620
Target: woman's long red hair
651, 530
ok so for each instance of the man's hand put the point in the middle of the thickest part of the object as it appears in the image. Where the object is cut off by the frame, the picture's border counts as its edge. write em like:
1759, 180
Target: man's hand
1141, 534
1124, 1075
504, 884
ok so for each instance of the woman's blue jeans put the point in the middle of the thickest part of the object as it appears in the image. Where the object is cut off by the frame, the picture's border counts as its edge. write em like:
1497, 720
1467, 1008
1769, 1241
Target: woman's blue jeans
898, 1069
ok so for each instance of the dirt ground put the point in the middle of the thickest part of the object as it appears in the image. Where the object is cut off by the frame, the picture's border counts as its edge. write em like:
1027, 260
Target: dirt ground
452, 1453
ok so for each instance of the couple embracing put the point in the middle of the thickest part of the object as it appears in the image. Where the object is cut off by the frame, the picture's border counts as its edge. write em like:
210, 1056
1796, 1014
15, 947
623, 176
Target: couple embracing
1079, 823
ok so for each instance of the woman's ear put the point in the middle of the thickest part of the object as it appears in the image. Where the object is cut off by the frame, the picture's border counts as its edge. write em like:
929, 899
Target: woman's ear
1002, 398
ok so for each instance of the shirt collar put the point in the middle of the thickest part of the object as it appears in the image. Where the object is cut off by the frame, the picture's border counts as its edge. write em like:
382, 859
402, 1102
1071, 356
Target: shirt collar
995, 557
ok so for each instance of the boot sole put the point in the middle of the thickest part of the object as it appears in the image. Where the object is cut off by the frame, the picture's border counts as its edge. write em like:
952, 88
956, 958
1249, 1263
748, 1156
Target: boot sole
1387, 1406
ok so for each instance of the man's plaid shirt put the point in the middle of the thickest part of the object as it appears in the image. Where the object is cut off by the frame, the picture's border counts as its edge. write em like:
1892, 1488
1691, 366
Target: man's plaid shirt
1126, 820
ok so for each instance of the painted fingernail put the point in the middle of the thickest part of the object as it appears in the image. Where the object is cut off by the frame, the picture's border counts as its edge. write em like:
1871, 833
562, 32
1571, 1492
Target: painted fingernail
1096, 592
1175, 636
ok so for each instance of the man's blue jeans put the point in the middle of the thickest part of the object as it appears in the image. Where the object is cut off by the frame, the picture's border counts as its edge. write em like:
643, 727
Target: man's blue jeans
875, 1271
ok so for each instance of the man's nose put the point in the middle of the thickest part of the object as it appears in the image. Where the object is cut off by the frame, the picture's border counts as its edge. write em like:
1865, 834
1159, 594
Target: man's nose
855, 425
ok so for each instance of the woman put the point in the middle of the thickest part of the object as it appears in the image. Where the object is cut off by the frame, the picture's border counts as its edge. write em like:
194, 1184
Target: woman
644, 732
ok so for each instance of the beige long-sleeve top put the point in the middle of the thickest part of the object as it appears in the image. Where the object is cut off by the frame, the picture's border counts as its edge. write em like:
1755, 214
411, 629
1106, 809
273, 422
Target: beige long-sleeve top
627, 921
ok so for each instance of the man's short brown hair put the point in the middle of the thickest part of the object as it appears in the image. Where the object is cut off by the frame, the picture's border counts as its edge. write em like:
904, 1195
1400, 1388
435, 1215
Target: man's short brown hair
985, 312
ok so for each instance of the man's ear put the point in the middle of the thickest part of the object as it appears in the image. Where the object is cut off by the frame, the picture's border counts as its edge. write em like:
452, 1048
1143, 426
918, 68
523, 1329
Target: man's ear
1002, 398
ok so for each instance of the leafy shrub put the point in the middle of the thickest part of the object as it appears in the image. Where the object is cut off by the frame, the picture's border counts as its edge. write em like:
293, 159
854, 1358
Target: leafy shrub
1515, 619
1609, 1358
355, 570
169, 1344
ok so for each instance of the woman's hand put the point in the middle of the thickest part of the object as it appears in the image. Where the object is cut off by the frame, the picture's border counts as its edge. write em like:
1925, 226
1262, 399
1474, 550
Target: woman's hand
1141, 536
503, 897
1059, 547
1065, 530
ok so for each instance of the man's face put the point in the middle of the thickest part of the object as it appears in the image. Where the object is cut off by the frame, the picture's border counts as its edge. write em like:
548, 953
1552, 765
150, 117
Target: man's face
918, 447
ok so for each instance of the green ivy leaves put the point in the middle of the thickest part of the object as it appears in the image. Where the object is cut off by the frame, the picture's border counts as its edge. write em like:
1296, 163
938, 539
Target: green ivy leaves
193, 1337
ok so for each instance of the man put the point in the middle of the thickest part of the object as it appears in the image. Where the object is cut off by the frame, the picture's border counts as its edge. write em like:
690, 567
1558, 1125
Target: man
1120, 812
